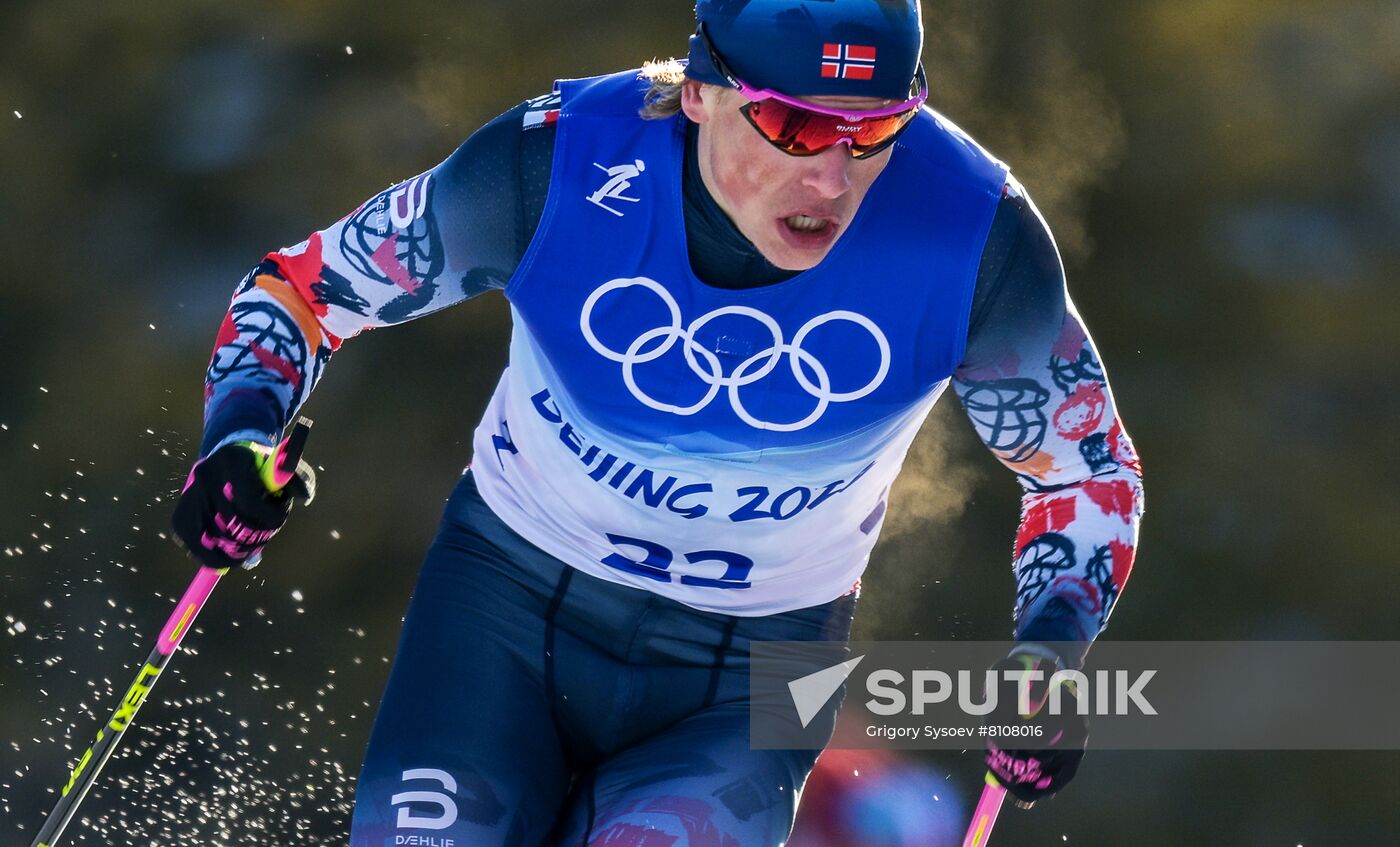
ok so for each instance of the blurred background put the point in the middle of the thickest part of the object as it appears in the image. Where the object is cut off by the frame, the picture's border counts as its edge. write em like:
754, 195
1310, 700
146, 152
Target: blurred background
1223, 178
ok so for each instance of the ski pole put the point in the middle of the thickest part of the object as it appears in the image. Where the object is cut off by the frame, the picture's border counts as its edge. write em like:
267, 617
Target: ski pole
985, 815
277, 469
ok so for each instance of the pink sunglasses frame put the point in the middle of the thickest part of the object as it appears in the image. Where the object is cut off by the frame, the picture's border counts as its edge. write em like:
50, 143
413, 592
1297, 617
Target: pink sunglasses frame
760, 94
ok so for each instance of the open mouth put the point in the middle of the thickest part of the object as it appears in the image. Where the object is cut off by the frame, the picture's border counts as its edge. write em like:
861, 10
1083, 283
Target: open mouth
807, 232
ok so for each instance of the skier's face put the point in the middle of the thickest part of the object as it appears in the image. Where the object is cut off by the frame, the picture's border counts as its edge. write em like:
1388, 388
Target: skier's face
793, 208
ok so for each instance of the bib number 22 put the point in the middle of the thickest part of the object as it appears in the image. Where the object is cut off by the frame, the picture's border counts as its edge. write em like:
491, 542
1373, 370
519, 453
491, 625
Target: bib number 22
653, 561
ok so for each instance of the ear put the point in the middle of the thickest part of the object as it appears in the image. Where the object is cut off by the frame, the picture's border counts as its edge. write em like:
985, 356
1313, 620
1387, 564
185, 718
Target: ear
696, 106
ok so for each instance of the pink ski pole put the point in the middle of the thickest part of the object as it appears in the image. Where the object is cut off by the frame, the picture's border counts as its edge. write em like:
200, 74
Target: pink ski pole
985, 815
277, 468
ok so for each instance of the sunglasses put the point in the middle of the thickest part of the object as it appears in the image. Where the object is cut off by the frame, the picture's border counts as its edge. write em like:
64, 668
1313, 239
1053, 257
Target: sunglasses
806, 129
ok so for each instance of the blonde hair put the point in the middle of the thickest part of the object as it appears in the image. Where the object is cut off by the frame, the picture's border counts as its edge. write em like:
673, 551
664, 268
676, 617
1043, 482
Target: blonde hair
663, 99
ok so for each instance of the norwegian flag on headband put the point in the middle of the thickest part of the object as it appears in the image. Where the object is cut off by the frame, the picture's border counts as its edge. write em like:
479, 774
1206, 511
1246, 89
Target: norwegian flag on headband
848, 61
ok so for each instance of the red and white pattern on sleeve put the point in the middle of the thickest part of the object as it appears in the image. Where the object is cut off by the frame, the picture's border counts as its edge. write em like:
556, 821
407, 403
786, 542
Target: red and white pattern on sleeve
542, 111
1051, 419
382, 264
1078, 533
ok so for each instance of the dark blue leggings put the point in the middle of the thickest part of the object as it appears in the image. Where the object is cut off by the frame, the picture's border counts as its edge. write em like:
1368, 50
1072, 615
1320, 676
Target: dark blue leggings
531, 704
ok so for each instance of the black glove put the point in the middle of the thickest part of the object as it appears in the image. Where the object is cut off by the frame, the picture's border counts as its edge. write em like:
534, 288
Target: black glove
226, 514
1035, 765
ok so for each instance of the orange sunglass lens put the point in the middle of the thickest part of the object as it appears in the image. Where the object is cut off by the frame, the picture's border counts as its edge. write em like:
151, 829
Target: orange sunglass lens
803, 132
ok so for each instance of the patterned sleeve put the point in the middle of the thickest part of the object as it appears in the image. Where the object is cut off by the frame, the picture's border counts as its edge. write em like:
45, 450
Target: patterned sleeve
1038, 396
430, 242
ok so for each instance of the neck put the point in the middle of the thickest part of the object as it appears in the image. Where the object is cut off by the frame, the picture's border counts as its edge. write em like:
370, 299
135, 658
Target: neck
720, 255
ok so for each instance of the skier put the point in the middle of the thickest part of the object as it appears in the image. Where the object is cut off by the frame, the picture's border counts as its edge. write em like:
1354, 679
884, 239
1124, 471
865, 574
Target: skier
738, 284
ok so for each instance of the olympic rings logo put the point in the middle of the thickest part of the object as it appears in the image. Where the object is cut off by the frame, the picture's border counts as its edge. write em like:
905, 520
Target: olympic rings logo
656, 342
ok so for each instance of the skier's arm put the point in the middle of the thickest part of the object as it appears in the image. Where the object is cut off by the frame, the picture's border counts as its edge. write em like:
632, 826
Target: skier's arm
1036, 392
433, 241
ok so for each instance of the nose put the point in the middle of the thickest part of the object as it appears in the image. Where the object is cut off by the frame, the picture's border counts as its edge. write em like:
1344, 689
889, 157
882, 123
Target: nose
829, 172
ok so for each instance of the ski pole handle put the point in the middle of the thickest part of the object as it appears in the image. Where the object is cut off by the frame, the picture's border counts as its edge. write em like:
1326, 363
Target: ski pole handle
277, 469
278, 466
985, 815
